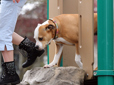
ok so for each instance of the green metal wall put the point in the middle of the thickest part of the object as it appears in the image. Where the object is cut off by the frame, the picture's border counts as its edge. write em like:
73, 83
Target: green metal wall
48, 18
105, 71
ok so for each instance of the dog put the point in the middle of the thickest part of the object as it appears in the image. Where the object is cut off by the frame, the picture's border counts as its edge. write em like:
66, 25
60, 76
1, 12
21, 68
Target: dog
63, 29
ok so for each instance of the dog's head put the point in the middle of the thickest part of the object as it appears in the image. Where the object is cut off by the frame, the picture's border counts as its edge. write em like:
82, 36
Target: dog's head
43, 34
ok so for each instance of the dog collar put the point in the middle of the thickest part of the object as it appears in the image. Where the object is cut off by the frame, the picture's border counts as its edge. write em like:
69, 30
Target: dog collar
57, 30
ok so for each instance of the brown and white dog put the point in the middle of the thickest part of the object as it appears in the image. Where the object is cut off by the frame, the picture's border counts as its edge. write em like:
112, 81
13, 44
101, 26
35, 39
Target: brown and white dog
63, 29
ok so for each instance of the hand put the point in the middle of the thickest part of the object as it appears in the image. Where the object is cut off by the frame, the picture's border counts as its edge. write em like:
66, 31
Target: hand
16, 1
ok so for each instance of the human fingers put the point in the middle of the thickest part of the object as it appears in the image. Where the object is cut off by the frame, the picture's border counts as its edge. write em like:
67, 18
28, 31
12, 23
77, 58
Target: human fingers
17, 1
13, 1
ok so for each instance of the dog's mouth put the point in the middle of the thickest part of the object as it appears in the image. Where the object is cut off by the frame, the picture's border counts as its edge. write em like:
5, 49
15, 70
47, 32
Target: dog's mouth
44, 47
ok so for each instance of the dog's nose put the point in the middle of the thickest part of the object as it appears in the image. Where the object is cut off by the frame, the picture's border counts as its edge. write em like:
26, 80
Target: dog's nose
37, 47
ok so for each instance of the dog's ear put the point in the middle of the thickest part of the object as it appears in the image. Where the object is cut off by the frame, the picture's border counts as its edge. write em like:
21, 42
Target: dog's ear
50, 27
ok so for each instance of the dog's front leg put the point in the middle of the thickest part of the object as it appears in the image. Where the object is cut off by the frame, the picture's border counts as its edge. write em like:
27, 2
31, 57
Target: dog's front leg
57, 56
78, 57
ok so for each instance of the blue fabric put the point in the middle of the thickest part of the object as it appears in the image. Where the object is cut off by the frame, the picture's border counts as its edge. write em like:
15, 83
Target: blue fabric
8, 18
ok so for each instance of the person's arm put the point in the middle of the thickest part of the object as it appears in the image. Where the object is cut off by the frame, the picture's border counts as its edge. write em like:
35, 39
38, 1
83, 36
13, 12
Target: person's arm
16, 1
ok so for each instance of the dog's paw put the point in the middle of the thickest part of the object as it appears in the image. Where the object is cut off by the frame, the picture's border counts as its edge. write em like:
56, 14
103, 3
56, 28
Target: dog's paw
48, 66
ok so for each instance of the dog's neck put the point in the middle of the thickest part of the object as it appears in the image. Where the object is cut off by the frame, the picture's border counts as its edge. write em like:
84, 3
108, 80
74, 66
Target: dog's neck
56, 28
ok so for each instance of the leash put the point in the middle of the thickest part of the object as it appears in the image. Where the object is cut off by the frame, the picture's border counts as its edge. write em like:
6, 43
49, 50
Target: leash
56, 30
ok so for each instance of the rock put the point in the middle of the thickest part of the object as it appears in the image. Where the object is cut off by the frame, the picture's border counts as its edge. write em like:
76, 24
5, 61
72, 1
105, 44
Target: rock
54, 76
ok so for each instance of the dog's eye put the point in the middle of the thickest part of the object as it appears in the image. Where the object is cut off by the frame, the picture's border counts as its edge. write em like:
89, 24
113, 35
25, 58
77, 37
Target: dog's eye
40, 39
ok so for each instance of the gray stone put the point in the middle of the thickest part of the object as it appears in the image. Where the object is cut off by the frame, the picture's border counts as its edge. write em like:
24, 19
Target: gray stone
54, 76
